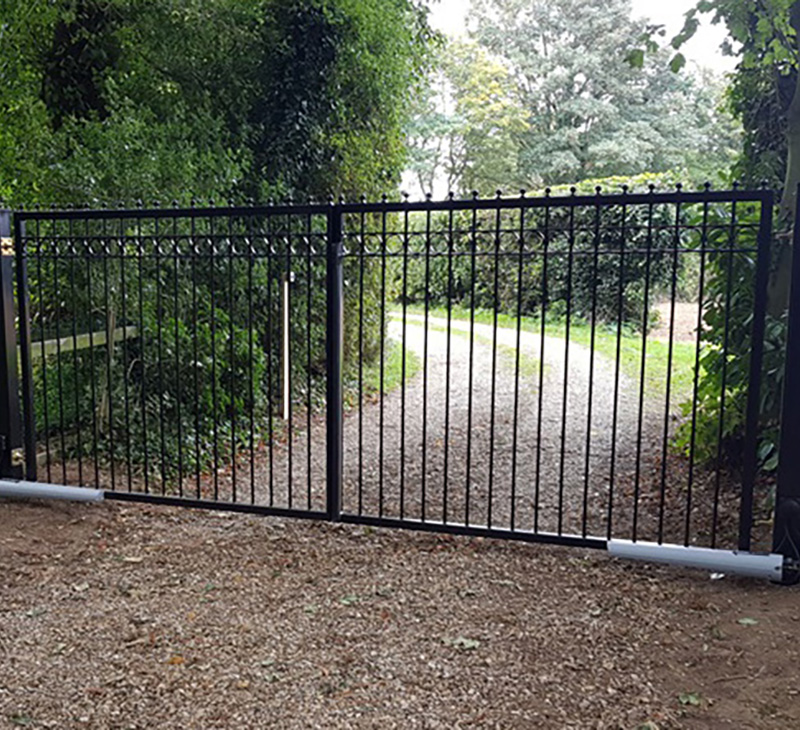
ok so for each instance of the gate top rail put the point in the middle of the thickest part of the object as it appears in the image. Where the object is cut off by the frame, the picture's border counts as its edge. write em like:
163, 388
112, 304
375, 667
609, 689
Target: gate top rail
386, 206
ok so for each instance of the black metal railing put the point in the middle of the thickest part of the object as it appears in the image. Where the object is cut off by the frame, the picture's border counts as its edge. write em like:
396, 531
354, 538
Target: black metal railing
486, 366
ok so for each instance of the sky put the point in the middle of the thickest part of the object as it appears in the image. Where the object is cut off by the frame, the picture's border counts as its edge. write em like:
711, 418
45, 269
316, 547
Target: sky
448, 16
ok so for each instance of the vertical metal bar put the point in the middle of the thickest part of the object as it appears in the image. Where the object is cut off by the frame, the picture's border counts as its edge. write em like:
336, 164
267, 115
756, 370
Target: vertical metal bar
231, 353
334, 349
23, 304
724, 380
590, 394
493, 393
287, 363
59, 368
10, 420
75, 357
470, 376
618, 354
194, 252
212, 268
250, 352
309, 284
162, 425
668, 388
381, 364
786, 535
271, 339
446, 464
92, 374
753, 412
696, 377
110, 345
142, 340
403, 368
178, 379
540, 405
425, 338
565, 391
642, 376
361, 261
517, 354
43, 353
125, 358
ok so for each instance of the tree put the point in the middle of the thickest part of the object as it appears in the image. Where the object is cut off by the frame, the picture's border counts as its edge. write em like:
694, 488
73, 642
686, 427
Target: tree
112, 98
433, 135
590, 113
544, 95
468, 124
765, 94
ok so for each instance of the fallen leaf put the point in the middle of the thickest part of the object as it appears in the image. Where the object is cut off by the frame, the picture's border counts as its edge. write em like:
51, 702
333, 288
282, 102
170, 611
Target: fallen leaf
132, 559
349, 600
23, 720
177, 659
462, 643
80, 587
689, 698
747, 621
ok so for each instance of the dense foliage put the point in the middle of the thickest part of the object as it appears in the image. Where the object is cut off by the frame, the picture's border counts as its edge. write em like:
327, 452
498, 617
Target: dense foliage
108, 99
763, 95
574, 260
113, 100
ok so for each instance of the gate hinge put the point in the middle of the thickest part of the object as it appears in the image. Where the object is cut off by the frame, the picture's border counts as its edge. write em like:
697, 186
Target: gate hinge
17, 457
6, 246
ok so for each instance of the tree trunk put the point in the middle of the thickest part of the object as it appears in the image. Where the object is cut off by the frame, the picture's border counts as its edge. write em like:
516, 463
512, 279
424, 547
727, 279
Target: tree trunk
778, 293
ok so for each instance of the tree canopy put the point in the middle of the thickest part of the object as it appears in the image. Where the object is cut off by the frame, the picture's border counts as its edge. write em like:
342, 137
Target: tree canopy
107, 99
545, 94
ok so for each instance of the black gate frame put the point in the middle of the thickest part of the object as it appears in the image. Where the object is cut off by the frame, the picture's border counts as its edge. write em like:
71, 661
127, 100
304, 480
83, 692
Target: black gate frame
16, 413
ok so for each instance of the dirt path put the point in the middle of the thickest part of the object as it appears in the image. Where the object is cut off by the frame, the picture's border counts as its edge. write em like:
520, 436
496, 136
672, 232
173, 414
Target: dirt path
134, 617
685, 327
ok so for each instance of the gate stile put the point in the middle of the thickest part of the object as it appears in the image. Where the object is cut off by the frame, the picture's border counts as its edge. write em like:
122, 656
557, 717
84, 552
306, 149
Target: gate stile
555, 484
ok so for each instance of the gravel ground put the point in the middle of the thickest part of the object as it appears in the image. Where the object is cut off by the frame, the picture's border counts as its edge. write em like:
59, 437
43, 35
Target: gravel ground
137, 617
487, 434
395, 449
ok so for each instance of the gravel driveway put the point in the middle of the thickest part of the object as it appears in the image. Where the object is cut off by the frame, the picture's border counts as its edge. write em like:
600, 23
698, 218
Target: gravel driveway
547, 483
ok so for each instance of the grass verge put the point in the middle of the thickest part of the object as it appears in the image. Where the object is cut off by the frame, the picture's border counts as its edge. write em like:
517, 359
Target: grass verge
392, 373
528, 365
605, 343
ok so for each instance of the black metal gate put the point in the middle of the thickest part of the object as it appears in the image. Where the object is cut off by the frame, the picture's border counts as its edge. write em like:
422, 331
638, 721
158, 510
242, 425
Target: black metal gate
524, 368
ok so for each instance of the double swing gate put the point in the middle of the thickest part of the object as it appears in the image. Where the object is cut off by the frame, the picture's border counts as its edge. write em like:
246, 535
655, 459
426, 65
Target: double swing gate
598, 371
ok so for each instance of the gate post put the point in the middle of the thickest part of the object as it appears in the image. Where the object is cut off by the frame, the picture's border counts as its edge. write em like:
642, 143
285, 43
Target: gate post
334, 347
10, 423
786, 535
